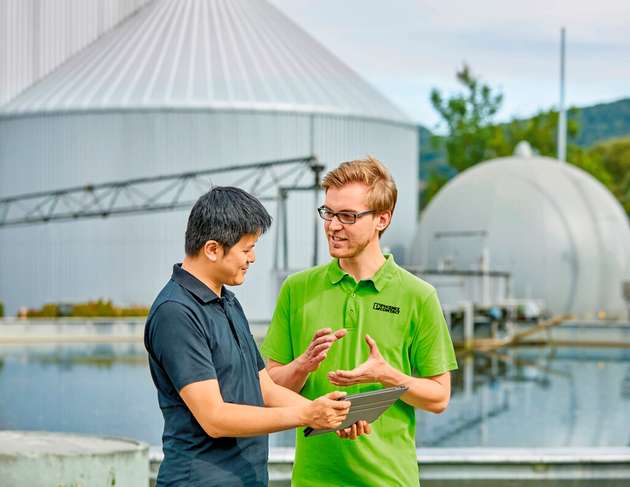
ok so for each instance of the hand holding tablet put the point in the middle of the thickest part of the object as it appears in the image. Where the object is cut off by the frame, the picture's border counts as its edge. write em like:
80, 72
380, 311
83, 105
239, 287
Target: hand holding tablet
366, 406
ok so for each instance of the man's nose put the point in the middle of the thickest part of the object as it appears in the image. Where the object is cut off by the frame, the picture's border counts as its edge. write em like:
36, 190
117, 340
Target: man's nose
335, 223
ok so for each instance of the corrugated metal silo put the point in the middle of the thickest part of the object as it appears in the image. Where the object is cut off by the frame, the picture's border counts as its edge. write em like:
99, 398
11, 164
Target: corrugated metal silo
183, 85
37, 36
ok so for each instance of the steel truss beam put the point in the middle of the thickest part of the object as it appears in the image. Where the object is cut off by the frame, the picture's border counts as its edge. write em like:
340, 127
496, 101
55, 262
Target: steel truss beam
266, 180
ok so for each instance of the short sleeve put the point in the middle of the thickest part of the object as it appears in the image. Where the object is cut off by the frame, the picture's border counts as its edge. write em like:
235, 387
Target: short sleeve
432, 350
277, 344
253, 348
180, 346
260, 363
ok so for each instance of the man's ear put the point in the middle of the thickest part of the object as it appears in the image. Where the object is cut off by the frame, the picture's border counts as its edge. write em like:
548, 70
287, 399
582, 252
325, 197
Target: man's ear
213, 250
384, 220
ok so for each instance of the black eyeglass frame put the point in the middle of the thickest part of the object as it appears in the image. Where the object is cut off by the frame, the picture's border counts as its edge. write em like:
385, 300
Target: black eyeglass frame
352, 215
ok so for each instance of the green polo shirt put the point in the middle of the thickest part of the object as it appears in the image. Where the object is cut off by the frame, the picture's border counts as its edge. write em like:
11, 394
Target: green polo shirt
403, 315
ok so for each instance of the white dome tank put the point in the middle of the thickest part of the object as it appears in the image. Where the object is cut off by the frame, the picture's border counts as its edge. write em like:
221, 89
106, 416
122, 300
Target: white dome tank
558, 231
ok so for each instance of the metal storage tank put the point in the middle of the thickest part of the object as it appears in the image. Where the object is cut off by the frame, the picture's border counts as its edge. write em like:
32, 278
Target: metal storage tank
559, 232
183, 86
37, 36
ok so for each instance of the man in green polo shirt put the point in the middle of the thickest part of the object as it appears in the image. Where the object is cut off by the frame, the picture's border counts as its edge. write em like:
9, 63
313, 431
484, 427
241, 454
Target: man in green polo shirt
390, 329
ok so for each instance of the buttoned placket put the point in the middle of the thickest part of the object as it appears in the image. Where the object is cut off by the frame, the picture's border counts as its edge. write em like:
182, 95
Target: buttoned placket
239, 344
352, 311
222, 303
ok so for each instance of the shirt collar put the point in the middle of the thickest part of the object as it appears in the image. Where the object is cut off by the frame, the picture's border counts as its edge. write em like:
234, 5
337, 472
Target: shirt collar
196, 287
379, 279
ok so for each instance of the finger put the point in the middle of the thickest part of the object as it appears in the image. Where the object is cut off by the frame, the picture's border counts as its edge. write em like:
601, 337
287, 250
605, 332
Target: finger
320, 348
342, 417
341, 406
336, 395
343, 433
320, 357
325, 339
339, 383
364, 427
353, 432
340, 333
321, 332
339, 380
314, 345
347, 374
345, 382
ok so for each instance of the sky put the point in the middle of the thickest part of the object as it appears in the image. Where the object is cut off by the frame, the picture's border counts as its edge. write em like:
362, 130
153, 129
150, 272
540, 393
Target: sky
404, 48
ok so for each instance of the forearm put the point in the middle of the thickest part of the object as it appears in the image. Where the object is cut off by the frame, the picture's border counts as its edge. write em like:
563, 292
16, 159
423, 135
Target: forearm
238, 420
424, 393
276, 395
292, 375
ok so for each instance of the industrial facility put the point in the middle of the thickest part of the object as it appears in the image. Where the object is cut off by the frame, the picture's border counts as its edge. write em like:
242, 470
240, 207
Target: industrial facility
115, 116
532, 228
104, 103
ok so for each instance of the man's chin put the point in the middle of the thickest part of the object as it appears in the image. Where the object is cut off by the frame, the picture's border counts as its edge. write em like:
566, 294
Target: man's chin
237, 281
339, 253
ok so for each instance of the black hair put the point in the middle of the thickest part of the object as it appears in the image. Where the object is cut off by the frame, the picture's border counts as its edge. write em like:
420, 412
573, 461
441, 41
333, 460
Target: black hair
224, 214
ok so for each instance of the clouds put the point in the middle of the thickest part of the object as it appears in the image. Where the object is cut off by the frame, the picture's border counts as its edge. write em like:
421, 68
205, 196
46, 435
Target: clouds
405, 47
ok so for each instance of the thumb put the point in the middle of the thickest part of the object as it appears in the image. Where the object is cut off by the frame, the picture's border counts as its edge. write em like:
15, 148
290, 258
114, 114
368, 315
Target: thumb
335, 395
372, 344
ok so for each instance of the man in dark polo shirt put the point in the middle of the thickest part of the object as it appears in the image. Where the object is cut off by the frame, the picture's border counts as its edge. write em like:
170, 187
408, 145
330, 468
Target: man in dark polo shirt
217, 400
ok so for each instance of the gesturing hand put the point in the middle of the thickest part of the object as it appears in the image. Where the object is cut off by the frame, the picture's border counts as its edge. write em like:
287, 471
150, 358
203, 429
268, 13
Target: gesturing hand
318, 348
374, 369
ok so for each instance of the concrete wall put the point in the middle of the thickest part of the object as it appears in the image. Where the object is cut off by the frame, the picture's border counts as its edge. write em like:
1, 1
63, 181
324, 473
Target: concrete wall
40, 459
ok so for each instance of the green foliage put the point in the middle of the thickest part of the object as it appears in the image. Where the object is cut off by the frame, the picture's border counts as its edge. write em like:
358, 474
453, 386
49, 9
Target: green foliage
540, 132
472, 138
49, 310
1, 309
614, 157
431, 150
604, 121
434, 183
468, 119
91, 309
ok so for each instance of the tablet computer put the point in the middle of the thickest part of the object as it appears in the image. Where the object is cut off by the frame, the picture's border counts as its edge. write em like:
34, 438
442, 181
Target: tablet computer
366, 406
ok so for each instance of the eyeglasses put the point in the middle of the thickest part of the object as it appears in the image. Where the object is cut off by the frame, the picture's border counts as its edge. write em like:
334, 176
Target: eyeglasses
346, 217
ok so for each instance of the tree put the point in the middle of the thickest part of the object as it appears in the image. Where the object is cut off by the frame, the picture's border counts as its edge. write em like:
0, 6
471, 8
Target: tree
472, 137
468, 118
540, 131
434, 183
614, 156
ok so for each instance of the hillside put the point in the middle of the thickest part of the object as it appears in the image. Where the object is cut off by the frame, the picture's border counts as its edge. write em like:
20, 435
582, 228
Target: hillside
604, 121
597, 123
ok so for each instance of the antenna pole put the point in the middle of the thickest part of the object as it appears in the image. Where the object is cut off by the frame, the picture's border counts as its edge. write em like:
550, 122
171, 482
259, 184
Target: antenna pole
562, 113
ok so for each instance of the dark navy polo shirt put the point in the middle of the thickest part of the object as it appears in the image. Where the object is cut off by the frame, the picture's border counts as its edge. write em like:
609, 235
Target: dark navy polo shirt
192, 335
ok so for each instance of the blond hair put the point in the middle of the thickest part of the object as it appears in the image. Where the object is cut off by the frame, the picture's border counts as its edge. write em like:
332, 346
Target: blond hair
382, 192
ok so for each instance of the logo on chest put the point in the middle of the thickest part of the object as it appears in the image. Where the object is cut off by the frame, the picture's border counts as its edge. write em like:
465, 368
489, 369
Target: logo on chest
387, 308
